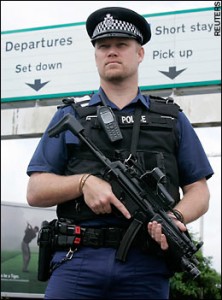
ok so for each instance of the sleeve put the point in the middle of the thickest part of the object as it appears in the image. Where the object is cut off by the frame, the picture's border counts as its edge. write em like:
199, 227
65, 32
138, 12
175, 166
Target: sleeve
193, 162
51, 153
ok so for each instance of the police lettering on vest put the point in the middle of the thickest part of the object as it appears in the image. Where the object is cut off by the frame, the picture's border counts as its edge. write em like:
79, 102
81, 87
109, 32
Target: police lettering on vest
130, 119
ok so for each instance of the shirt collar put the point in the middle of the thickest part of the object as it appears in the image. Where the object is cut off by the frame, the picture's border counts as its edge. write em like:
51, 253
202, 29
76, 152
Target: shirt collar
96, 100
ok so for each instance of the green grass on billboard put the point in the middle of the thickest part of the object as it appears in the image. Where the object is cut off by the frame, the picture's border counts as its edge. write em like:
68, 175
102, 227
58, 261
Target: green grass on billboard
14, 280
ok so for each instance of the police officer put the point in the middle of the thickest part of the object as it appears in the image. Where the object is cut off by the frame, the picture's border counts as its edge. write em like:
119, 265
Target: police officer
65, 173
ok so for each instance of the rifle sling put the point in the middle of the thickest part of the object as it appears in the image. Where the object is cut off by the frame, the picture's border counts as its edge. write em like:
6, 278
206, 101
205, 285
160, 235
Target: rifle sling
136, 130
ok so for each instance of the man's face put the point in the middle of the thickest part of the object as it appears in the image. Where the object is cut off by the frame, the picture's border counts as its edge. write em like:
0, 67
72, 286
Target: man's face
118, 58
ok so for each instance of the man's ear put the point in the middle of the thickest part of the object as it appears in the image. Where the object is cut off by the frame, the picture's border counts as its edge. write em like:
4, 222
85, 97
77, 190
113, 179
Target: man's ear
141, 54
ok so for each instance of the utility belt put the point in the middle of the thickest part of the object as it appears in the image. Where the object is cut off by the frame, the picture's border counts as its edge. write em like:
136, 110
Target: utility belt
71, 236
57, 236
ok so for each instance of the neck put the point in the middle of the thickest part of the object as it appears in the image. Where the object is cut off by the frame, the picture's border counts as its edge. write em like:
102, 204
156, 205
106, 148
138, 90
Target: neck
120, 94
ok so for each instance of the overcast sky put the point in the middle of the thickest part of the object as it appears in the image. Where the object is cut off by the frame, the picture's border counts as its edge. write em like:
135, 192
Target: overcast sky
17, 153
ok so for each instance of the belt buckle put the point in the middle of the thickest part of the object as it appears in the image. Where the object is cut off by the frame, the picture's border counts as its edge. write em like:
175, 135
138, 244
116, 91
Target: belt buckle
93, 237
113, 237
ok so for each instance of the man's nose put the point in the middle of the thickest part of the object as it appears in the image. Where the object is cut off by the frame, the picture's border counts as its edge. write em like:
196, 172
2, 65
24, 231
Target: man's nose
112, 51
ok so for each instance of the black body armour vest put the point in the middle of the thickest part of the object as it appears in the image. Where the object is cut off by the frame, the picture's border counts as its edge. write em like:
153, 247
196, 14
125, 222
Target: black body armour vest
157, 147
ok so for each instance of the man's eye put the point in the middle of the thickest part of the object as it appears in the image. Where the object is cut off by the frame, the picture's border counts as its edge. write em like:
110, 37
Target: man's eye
120, 45
103, 46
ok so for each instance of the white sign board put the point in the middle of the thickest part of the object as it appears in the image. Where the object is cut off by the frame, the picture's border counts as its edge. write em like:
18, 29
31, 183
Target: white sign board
59, 61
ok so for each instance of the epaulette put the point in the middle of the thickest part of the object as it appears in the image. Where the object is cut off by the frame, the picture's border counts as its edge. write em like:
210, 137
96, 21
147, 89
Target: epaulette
80, 105
165, 106
76, 101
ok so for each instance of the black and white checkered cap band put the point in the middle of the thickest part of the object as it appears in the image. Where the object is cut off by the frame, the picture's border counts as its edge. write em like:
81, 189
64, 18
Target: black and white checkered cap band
114, 25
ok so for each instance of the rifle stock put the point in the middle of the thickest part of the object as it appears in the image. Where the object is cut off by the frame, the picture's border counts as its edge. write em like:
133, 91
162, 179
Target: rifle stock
144, 196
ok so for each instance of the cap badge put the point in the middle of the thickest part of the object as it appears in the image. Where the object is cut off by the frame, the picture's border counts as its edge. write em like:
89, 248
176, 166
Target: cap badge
108, 21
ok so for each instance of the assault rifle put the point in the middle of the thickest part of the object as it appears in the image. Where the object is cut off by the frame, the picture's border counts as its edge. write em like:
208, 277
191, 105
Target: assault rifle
145, 197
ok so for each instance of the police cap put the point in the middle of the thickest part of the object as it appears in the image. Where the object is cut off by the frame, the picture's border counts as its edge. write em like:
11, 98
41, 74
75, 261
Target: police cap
117, 22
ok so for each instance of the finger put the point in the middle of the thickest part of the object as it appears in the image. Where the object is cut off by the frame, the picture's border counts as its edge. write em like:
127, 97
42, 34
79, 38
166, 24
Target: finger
163, 242
158, 233
118, 204
181, 226
153, 229
160, 237
105, 210
149, 227
108, 209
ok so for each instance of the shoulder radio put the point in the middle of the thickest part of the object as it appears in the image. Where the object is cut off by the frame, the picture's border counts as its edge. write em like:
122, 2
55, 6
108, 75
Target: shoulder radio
108, 121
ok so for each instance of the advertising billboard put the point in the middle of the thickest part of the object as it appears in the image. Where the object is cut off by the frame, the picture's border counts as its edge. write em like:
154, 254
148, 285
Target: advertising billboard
19, 249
